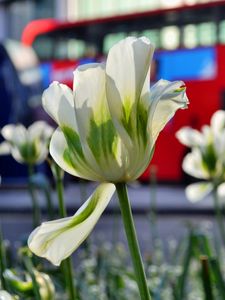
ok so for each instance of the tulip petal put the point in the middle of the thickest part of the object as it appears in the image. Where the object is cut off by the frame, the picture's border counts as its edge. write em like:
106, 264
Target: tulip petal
189, 137
197, 191
221, 191
70, 156
5, 148
16, 154
4, 295
124, 85
56, 240
58, 102
193, 165
166, 98
15, 134
40, 130
128, 96
100, 141
218, 121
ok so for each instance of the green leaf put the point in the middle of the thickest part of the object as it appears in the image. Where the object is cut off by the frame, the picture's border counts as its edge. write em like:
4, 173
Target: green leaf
206, 278
218, 277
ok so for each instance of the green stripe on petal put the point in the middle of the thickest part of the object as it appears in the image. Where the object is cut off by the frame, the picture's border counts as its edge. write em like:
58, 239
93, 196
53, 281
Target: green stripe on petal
134, 120
99, 138
124, 86
209, 158
127, 118
73, 141
29, 151
56, 240
102, 140
68, 159
142, 123
74, 155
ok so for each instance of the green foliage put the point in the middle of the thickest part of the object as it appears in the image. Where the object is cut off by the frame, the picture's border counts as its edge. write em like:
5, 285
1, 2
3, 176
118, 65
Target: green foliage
193, 270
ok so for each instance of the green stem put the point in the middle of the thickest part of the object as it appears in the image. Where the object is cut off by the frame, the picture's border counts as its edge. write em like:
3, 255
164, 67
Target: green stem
2, 262
30, 268
60, 192
152, 214
219, 215
67, 263
181, 283
218, 275
83, 197
35, 206
206, 279
50, 207
132, 241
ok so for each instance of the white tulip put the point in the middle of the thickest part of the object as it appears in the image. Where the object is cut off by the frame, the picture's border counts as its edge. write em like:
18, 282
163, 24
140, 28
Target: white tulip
4, 295
107, 130
26, 145
207, 158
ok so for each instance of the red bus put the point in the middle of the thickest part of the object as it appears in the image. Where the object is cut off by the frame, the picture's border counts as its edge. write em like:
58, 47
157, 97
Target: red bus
190, 43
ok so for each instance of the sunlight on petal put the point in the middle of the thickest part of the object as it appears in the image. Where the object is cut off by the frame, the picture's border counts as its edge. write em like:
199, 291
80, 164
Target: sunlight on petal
197, 191
189, 137
56, 240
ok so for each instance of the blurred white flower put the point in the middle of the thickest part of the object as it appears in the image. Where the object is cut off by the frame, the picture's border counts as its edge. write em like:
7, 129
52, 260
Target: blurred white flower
207, 157
4, 295
29, 145
107, 131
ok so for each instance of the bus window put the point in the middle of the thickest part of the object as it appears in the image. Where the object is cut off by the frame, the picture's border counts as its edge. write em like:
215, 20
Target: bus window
60, 49
153, 35
111, 39
76, 48
190, 36
43, 46
170, 37
222, 32
207, 34
71, 49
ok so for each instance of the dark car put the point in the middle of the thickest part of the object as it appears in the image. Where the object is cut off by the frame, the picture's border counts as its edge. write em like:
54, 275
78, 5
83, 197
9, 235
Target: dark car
20, 93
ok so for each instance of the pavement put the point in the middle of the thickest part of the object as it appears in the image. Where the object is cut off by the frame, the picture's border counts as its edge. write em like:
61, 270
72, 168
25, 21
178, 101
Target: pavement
168, 199
173, 209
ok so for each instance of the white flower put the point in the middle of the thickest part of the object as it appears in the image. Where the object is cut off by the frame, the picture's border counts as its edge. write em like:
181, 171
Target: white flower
107, 130
207, 158
4, 295
26, 145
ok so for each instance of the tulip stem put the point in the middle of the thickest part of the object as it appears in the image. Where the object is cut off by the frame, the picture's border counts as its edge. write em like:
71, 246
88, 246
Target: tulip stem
219, 215
67, 267
132, 241
35, 207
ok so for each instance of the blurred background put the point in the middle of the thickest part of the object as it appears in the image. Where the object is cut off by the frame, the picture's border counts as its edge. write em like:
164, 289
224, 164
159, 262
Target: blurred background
42, 41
